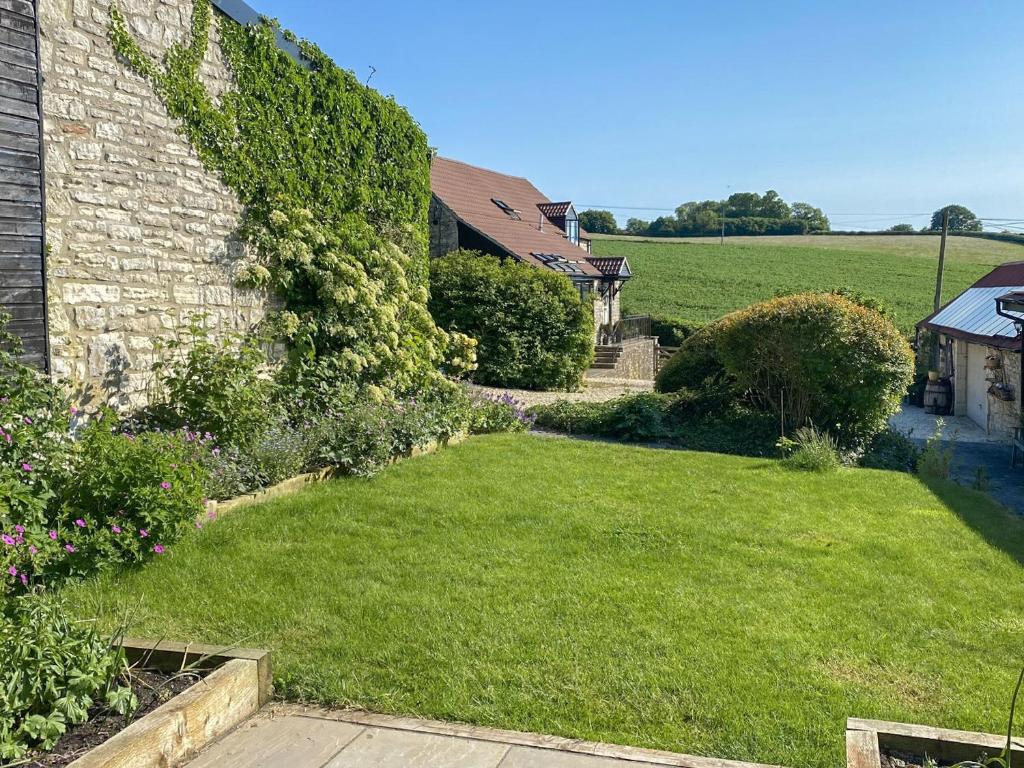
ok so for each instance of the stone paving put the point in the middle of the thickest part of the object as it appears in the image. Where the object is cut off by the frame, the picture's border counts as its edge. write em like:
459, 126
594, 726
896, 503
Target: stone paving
290, 736
593, 391
974, 452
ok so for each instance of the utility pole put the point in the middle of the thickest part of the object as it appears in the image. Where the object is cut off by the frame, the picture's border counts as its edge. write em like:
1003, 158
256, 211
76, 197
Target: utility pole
721, 240
942, 258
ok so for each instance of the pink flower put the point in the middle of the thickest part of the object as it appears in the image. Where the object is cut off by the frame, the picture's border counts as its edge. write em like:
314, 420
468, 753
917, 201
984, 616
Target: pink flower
19, 528
115, 528
24, 580
69, 548
32, 550
199, 524
165, 485
143, 533
80, 523
73, 410
159, 549
13, 571
28, 420
27, 467
53, 535
8, 540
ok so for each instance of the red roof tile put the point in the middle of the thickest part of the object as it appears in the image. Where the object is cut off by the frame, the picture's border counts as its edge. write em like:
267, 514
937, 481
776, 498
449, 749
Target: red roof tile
469, 193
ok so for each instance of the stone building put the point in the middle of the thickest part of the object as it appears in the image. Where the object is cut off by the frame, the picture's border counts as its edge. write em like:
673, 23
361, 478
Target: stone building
138, 235
980, 346
507, 216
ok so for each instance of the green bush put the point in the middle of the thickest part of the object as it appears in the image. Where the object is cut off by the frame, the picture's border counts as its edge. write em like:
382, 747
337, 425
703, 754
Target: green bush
817, 358
499, 413
811, 450
139, 494
533, 330
671, 331
696, 365
890, 450
54, 670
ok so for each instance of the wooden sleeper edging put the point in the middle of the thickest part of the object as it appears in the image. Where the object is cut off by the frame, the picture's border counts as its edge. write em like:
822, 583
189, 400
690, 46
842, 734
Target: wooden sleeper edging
865, 740
238, 686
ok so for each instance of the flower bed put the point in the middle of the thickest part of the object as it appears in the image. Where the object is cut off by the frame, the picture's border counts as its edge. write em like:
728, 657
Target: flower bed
881, 744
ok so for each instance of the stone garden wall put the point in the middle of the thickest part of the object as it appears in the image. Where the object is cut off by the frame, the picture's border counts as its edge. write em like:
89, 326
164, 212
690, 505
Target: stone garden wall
141, 235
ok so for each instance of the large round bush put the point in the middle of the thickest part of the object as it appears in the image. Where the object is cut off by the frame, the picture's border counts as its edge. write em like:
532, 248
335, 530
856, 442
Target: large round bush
819, 358
815, 358
533, 330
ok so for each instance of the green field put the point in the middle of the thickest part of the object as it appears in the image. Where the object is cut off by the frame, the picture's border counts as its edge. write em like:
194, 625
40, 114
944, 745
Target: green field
686, 601
698, 280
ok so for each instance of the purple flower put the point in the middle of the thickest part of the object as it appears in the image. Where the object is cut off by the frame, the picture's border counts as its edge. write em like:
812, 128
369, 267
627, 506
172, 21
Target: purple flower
73, 410
28, 420
13, 571
165, 485
27, 467
143, 533
32, 550
24, 580
69, 548
80, 523
19, 528
53, 535
8, 540
115, 528
159, 549
199, 524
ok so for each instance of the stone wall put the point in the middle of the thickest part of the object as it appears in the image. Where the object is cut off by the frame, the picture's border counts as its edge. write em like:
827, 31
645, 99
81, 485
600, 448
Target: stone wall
142, 236
636, 362
1004, 415
444, 229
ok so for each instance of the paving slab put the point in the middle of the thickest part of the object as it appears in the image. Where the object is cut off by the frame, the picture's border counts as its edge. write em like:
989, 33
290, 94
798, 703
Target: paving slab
279, 742
390, 748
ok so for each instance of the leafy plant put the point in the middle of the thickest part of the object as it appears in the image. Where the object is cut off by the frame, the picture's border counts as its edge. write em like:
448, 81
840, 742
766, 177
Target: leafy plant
500, 413
811, 450
533, 329
890, 450
54, 670
936, 460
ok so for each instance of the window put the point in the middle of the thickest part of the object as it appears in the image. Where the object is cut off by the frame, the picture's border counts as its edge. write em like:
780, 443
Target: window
508, 209
572, 229
586, 289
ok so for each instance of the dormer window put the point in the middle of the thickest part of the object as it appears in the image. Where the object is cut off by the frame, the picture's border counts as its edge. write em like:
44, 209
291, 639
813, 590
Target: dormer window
572, 227
511, 212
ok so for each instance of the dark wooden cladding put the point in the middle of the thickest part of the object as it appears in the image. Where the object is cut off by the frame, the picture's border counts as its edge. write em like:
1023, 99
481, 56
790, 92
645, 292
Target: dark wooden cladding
22, 194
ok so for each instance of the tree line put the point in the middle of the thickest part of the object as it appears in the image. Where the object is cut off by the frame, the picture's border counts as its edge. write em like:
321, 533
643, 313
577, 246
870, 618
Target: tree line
742, 213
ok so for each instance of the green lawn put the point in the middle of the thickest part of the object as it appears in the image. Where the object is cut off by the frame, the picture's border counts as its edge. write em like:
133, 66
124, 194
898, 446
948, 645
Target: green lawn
685, 601
699, 280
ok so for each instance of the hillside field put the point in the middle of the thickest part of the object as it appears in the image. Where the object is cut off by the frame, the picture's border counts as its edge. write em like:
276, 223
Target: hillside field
697, 280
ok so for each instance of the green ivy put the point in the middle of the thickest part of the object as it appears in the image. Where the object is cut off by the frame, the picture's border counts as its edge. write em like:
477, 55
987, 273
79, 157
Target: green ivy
335, 180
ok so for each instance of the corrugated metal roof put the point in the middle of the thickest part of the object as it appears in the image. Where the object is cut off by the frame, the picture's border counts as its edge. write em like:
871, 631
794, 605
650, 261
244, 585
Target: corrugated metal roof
974, 312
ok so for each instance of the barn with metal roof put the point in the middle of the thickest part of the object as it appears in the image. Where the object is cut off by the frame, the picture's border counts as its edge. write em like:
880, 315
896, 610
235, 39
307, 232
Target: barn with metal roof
980, 343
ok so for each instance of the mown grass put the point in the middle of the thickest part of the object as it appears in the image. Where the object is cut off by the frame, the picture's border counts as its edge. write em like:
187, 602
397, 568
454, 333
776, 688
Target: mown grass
685, 601
698, 280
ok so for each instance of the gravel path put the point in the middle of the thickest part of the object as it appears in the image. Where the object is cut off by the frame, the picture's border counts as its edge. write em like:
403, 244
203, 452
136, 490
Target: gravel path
593, 391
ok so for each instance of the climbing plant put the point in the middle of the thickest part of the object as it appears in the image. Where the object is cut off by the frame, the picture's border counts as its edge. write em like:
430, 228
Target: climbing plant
335, 181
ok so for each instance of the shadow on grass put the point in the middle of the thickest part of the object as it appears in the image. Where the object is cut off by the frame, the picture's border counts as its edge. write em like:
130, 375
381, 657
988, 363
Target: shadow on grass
996, 524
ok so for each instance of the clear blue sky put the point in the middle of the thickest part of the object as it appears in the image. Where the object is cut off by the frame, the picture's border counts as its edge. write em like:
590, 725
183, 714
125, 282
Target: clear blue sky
857, 107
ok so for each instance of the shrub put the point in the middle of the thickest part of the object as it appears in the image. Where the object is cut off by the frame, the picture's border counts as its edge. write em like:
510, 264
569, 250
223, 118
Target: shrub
671, 331
500, 413
137, 494
696, 365
818, 358
219, 387
890, 450
936, 460
54, 670
533, 330
811, 450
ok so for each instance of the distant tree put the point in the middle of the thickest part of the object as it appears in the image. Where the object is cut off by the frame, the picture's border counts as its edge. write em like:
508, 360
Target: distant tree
773, 206
599, 222
815, 219
637, 227
663, 225
961, 219
901, 228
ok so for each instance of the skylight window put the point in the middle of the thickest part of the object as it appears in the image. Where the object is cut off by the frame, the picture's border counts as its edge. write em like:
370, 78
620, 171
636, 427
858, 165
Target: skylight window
508, 209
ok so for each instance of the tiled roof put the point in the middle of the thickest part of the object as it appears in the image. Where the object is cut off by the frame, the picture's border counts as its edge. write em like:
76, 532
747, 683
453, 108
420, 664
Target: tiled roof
554, 210
469, 193
611, 265
972, 315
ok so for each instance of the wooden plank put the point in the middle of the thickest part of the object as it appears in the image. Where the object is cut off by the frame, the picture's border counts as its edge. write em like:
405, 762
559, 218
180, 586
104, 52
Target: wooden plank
29, 262
24, 193
22, 279
35, 345
19, 73
9, 296
20, 125
18, 22
15, 227
14, 209
25, 178
171, 656
19, 91
183, 725
26, 312
24, 7
20, 142
862, 750
23, 160
18, 108
18, 39
18, 57
27, 329
20, 246
942, 744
